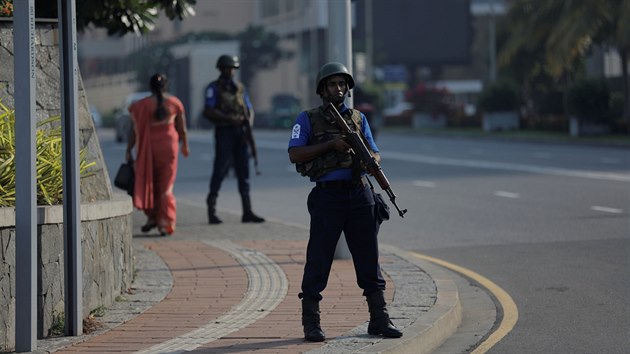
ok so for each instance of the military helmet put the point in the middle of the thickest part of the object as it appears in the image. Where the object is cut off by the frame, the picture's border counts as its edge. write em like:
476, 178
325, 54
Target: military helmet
228, 61
330, 69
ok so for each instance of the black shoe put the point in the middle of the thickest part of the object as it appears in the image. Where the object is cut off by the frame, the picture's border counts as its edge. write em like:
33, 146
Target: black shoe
251, 217
310, 320
380, 324
314, 334
150, 225
213, 219
387, 330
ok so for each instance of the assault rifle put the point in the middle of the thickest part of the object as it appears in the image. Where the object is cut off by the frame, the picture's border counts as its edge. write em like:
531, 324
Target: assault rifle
249, 138
361, 150
248, 131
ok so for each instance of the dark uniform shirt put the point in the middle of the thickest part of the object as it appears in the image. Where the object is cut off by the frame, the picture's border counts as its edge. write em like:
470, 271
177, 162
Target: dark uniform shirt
302, 131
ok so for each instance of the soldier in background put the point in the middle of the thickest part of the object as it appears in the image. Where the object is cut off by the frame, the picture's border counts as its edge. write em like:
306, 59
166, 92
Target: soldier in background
227, 105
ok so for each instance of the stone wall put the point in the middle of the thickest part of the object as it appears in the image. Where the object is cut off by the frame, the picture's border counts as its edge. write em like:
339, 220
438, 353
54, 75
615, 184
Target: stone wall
97, 186
107, 261
105, 219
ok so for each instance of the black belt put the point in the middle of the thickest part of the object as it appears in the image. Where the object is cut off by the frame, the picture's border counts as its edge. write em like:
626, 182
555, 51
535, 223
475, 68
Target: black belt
343, 183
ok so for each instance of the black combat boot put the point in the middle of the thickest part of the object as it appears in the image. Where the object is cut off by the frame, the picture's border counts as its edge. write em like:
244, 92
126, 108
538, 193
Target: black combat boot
211, 201
248, 214
310, 320
380, 324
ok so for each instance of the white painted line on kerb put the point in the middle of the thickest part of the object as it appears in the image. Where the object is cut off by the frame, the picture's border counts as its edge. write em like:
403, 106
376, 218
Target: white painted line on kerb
426, 184
407, 157
604, 209
505, 194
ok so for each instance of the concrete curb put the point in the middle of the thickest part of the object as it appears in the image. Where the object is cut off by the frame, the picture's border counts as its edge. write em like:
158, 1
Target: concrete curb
437, 325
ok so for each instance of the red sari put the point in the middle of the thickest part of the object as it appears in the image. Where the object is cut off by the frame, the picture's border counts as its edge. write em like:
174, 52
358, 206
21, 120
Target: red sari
157, 147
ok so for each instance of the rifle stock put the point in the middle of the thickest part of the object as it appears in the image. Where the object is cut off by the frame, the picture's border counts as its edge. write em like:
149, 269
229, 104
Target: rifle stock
361, 150
249, 133
249, 138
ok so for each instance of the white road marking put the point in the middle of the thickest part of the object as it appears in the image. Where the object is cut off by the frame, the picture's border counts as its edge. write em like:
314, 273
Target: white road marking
505, 194
426, 184
606, 209
407, 157
542, 155
610, 161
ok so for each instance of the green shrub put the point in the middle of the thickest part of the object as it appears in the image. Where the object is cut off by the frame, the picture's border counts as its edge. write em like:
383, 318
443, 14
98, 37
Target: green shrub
589, 100
48, 162
6, 8
499, 96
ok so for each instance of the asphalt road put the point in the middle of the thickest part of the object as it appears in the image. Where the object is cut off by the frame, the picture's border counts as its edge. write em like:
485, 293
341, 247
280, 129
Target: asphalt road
548, 223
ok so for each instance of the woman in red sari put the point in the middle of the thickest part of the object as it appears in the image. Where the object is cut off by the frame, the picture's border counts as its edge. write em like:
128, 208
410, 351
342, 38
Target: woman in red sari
158, 128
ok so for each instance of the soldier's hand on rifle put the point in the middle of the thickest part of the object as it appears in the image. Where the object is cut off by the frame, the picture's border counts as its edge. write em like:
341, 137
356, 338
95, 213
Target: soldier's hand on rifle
341, 145
240, 118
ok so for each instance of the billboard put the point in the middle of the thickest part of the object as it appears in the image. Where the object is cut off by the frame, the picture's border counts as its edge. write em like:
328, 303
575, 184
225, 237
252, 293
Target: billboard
418, 32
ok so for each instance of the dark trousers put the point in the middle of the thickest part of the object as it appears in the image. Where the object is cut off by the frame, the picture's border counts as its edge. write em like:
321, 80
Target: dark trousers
230, 150
334, 210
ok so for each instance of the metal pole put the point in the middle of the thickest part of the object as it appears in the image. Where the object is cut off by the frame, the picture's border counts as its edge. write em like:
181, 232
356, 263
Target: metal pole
340, 50
25, 172
492, 44
71, 192
340, 35
369, 40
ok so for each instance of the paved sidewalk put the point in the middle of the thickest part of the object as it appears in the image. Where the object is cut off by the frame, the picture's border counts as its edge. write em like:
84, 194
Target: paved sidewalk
232, 288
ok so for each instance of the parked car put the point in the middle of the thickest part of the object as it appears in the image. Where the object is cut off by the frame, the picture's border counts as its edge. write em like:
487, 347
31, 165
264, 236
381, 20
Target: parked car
284, 109
123, 119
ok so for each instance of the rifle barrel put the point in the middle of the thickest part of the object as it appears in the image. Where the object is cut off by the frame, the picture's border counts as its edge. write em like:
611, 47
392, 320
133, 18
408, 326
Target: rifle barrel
361, 150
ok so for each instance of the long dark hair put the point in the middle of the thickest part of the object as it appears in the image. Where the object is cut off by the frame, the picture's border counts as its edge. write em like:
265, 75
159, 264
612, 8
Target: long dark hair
158, 84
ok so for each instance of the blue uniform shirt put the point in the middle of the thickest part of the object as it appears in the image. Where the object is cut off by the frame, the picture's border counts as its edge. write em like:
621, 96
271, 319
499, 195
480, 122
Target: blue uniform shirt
302, 131
211, 96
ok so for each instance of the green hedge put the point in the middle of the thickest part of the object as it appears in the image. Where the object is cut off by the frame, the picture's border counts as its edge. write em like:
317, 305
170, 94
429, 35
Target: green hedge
589, 100
499, 96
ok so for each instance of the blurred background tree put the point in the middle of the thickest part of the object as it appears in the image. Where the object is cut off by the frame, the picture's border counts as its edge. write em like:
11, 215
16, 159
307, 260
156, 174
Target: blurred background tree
259, 50
559, 34
120, 17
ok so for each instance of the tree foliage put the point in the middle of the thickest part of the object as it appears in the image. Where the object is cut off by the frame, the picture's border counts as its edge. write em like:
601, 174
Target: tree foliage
258, 50
565, 30
588, 99
120, 17
129, 16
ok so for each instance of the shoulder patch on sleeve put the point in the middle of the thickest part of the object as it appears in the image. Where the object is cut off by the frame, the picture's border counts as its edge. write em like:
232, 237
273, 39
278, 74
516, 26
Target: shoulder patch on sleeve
295, 134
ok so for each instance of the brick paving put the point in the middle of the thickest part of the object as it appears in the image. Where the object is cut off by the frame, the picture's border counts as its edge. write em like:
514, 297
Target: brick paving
195, 290
208, 282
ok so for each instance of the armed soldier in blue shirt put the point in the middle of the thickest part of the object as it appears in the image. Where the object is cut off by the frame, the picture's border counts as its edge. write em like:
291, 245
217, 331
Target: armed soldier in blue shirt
229, 108
342, 200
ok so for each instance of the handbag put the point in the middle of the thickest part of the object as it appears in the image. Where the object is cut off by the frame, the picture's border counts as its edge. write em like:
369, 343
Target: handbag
125, 177
381, 209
